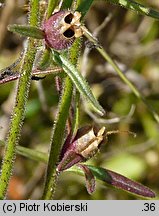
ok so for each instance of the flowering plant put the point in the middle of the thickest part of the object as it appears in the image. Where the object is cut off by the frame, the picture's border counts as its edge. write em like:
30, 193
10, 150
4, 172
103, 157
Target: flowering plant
58, 27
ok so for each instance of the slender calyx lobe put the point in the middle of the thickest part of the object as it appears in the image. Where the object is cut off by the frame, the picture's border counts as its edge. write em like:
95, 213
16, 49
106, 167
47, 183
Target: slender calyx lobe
61, 29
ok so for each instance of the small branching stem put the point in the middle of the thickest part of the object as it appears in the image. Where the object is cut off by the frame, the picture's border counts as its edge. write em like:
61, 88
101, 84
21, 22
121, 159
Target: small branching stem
107, 57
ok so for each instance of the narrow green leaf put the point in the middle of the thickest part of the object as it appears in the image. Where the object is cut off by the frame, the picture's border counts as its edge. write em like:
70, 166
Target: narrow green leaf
67, 4
80, 83
84, 6
32, 154
27, 31
130, 4
29, 153
51, 7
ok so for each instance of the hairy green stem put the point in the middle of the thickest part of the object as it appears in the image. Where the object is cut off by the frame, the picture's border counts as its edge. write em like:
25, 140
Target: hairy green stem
130, 4
76, 114
74, 57
57, 139
59, 128
19, 108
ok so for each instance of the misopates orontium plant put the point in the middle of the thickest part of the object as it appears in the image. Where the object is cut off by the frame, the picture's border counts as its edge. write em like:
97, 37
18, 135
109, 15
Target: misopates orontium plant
60, 34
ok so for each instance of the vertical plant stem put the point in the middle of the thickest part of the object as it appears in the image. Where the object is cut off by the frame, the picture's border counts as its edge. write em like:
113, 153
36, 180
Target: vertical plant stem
57, 139
76, 114
74, 57
20, 103
59, 128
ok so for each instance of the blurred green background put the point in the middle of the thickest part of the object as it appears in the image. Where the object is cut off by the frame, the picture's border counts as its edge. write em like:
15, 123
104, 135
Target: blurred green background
133, 42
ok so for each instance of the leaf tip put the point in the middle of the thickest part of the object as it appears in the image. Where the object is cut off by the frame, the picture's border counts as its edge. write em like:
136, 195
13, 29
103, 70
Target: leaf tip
100, 111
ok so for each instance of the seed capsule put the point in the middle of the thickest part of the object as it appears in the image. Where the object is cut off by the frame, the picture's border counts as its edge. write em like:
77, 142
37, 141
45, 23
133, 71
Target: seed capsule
62, 28
84, 146
88, 144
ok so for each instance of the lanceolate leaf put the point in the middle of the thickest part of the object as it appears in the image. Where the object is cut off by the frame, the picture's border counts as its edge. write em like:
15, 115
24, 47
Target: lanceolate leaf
80, 83
27, 31
120, 181
130, 4
84, 6
67, 4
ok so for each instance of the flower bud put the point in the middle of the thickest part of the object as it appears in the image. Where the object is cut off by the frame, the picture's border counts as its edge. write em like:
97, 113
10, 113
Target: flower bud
61, 29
